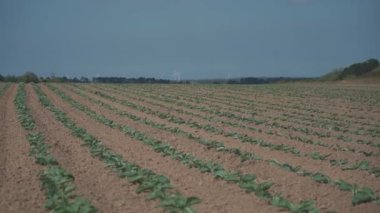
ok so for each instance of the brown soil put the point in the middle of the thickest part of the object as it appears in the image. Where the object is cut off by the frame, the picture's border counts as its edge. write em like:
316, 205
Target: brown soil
263, 100
107, 191
20, 189
272, 138
288, 184
304, 148
359, 177
324, 105
265, 116
216, 195
269, 114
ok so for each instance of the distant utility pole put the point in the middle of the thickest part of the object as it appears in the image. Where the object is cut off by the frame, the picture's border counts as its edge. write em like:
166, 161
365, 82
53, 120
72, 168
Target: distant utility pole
177, 76
228, 76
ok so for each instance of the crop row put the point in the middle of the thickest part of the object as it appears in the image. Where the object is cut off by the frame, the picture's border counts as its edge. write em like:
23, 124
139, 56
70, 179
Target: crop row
245, 181
239, 124
271, 132
158, 186
362, 95
57, 183
314, 155
279, 91
261, 107
252, 120
360, 195
296, 118
232, 95
343, 164
275, 124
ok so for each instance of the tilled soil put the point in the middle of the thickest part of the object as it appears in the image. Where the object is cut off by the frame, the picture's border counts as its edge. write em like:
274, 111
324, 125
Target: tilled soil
216, 195
93, 180
20, 189
20, 186
288, 184
167, 107
353, 176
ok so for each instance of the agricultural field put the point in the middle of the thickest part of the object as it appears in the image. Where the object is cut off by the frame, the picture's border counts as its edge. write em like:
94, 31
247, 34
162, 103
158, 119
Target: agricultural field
189, 148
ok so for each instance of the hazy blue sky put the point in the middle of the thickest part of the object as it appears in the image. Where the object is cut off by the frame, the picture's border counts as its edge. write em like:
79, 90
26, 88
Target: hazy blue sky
198, 38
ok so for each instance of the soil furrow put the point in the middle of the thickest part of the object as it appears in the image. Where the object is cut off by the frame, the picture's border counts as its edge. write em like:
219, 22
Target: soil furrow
296, 126
331, 140
107, 191
19, 185
309, 164
304, 148
288, 184
259, 98
216, 195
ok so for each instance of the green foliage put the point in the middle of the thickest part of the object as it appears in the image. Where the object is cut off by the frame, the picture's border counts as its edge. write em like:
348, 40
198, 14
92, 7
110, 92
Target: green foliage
218, 146
321, 178
39, 149
177, 203
364, 195
11, 78
29, 77
375, 73
23, 113
4, 88
344, 186
375, 171
318, 156
362, 165
244, 181
148, 181
362, 69
58, 186
57, 183
333, 75
304, 206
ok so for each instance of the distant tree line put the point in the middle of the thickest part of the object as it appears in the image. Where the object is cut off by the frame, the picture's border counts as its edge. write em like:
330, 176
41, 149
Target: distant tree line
65, 79
357, 70
32, 77
267, 80
128, 80
26, 77
360, 69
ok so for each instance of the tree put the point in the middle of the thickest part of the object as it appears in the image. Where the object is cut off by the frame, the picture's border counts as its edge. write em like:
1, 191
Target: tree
10, 78
29, 77
84, 80
1, 78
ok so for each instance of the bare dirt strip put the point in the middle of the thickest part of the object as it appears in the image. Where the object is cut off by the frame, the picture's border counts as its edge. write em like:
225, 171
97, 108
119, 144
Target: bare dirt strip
20, 189
216, 195
288, 184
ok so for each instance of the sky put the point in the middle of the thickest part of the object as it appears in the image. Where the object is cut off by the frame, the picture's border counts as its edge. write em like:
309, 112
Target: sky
196, 39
